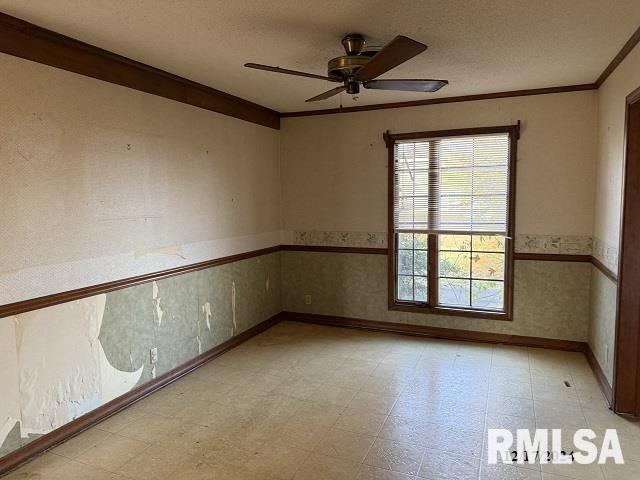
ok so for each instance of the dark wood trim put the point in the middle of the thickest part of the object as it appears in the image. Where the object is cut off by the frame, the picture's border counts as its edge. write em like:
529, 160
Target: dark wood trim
436, 332
604, 270
80, 424
62, 297
626, 377
552, 257
510, 243
431, 308
322, 248
600, 376
70, 295
25, 40
436, 101
455, 132
617, 60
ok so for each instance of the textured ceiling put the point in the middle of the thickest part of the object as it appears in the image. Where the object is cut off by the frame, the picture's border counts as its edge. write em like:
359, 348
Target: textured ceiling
480, 46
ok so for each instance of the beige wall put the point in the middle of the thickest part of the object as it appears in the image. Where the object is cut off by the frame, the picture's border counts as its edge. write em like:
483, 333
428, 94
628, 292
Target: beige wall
608, 203
334, 167
611, 119
100, 182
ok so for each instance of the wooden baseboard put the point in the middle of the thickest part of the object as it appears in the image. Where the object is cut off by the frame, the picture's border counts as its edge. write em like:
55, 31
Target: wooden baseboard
599, 373
80, 424
436, 332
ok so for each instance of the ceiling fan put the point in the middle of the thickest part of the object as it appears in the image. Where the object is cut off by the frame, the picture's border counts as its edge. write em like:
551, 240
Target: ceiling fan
361, 66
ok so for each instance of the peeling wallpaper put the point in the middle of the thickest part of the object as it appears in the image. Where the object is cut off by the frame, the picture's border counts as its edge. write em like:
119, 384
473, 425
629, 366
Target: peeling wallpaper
60, 362
551, 299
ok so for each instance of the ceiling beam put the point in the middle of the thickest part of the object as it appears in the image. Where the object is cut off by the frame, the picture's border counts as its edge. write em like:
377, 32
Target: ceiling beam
25, 40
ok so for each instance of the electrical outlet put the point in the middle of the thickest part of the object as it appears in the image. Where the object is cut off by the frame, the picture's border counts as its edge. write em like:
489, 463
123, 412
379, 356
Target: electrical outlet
307, 299
153, 355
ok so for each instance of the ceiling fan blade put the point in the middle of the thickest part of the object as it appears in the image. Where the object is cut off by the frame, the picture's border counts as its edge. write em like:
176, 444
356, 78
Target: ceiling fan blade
397, 51
289, 72
412, 85
327, 94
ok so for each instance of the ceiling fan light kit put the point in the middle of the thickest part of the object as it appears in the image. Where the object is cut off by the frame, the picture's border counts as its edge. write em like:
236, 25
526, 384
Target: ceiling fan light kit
360, 66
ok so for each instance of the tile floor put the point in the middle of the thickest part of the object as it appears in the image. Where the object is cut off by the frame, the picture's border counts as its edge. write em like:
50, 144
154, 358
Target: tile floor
306, 402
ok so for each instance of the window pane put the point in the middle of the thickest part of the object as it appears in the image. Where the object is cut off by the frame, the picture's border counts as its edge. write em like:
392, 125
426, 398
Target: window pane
405, 287
421, 241
487, 294
487, 265
456, 185
455, 213
405, 240
420, 284
456, 182
412, 267
455, 293
405, 262
421, 262
491, 150
454, 264
454, 242
490, 181
488, 243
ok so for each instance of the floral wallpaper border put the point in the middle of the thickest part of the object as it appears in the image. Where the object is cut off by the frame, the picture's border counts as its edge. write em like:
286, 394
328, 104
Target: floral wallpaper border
526, 243
341, 239
607, 254
554, 244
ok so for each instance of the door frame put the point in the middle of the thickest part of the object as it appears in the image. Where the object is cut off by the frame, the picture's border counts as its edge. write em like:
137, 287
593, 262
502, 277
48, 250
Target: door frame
626, 376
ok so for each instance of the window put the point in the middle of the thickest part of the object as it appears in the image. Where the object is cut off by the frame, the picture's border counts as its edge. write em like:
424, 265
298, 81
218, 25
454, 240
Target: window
451, 221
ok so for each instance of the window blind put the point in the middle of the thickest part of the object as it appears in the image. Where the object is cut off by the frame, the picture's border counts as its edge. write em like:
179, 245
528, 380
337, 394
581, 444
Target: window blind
452, 184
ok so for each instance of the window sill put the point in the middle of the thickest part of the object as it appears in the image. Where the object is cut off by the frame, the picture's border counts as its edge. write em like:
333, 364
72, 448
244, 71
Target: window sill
456, 312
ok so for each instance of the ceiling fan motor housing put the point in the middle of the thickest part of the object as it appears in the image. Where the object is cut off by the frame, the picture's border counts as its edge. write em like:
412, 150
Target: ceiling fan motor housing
346, 66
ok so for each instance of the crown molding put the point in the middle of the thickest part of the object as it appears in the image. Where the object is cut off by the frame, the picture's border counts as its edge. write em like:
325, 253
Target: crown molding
617, 60
436, 101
